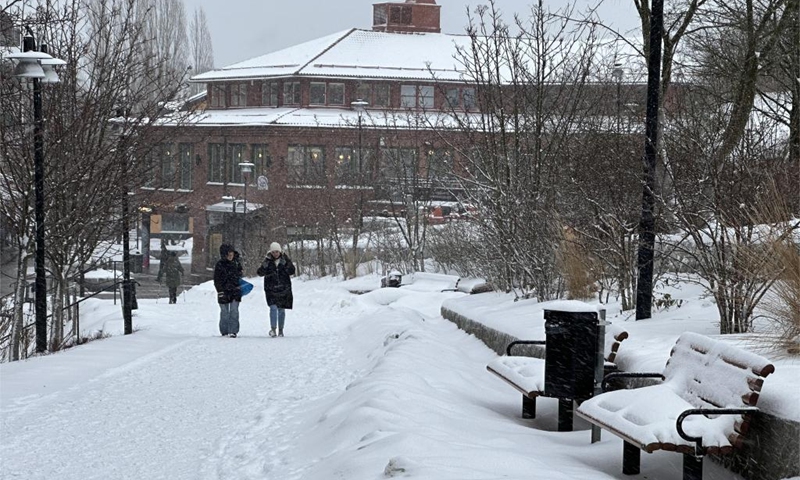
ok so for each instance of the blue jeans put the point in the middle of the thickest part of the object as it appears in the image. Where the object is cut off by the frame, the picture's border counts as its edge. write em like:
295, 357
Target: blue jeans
276, 317
229, 318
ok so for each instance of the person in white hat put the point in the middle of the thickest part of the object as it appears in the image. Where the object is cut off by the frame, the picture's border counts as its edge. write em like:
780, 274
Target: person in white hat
277, 270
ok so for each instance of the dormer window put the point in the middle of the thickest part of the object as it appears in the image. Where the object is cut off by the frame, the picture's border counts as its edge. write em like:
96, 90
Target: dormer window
321, 93
416, 96
218, 96
291, 93
239, 95
269, 94
460, 98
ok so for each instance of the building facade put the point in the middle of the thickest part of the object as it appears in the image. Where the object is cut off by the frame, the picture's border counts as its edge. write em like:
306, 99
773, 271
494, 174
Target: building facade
328, 125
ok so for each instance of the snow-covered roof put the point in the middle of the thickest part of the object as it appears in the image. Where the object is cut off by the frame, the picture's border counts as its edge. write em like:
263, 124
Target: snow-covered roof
317, 118
355, 53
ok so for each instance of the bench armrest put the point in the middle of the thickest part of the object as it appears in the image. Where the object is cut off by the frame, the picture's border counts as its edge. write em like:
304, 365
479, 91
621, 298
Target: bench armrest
614, 375
523, 342
699, 449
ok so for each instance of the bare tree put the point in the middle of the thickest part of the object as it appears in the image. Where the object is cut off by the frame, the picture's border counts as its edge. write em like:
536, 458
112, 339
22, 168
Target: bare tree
201, 48
99, 120
531, 92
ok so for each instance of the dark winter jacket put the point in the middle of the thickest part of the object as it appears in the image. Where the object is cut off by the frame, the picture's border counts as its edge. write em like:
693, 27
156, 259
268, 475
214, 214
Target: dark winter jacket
277, 281
226, 277
173, 270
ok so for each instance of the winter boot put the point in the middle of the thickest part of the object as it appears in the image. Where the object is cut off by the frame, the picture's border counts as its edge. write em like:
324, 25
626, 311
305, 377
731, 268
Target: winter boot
271, 332
280, 332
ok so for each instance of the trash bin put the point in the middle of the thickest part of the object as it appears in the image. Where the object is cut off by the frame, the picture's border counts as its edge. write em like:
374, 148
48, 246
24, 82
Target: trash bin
393, 280
136, 262
571, 353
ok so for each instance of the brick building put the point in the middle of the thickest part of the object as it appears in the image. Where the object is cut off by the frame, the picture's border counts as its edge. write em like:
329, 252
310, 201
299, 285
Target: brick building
328, 125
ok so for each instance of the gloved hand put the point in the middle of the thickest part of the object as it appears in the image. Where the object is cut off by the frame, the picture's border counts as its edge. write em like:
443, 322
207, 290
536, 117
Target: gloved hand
282, 261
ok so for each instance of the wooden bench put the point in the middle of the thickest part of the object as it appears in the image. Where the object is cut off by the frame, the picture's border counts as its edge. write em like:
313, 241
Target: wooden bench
703, 406
527, 374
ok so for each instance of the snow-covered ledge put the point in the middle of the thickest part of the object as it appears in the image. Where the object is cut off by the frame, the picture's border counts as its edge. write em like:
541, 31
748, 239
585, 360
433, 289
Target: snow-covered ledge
772, 451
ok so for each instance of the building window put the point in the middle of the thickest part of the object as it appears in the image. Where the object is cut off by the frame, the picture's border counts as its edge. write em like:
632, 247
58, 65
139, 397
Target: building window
185, 159
236, 157
440, 163
382, 97
468, 97
321, 93
216, 162
218, 96
463, 98
376, 94
291, 93
400, 15
317, 93
379, 15
305, 165
175, 222
414, 96
350, 169
336, 94
151, 167
269, 94
261, 159
167, 178
239, 95
398, 163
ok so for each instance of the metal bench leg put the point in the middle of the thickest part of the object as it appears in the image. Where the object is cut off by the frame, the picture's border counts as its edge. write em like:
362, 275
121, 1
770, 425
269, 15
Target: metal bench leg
528, 407
692, 467
631, 456
564, 415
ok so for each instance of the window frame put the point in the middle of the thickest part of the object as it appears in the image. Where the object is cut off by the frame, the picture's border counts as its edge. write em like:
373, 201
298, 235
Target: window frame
185, 166
292, 89
302, 168
216, 163
238, 92
261, 163
235, 156
219, 95
269, 91
166, 171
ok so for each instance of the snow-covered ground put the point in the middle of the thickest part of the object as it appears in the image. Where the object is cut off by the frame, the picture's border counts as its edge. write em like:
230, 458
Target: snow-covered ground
362, 387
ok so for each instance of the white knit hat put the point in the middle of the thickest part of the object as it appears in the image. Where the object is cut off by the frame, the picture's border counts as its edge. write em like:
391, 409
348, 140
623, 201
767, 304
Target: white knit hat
275, 247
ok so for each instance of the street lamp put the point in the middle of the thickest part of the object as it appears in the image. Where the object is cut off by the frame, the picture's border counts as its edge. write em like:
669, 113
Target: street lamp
38, 67
246, 167
617, 74
359, 106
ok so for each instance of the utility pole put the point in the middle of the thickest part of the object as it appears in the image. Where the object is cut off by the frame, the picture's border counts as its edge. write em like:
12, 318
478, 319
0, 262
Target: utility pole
127, 294
647, 235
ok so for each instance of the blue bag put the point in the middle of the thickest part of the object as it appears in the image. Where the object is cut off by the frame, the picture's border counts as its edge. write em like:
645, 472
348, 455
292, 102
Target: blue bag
245, 286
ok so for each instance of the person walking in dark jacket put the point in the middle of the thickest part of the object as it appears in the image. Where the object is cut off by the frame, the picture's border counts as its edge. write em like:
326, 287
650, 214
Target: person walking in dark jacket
173, 270
277, 269
227, 273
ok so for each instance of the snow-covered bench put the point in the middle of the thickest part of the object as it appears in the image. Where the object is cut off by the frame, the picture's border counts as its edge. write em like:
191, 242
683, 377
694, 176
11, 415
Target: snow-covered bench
703, 406
527, 374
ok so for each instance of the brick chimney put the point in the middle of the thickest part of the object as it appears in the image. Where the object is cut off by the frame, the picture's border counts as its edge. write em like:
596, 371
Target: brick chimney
408, 16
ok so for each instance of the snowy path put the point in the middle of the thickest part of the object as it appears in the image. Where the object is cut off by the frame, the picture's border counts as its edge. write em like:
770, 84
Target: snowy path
203, 407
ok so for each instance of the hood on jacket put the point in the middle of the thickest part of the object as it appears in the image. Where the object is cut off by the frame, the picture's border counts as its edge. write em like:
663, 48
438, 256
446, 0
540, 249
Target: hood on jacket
224, 250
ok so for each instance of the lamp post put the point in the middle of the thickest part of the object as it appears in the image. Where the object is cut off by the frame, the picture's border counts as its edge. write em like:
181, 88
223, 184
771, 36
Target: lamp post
38, 67
359, 106
246, 167
617, 74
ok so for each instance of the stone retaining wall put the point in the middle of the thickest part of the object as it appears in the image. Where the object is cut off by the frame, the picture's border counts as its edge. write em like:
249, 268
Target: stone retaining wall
772, 451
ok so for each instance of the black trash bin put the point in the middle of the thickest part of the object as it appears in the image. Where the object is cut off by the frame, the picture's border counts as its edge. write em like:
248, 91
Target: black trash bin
571, 353
136, 262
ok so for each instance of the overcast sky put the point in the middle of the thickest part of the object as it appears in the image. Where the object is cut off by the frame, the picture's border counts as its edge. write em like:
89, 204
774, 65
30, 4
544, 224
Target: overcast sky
243, 29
